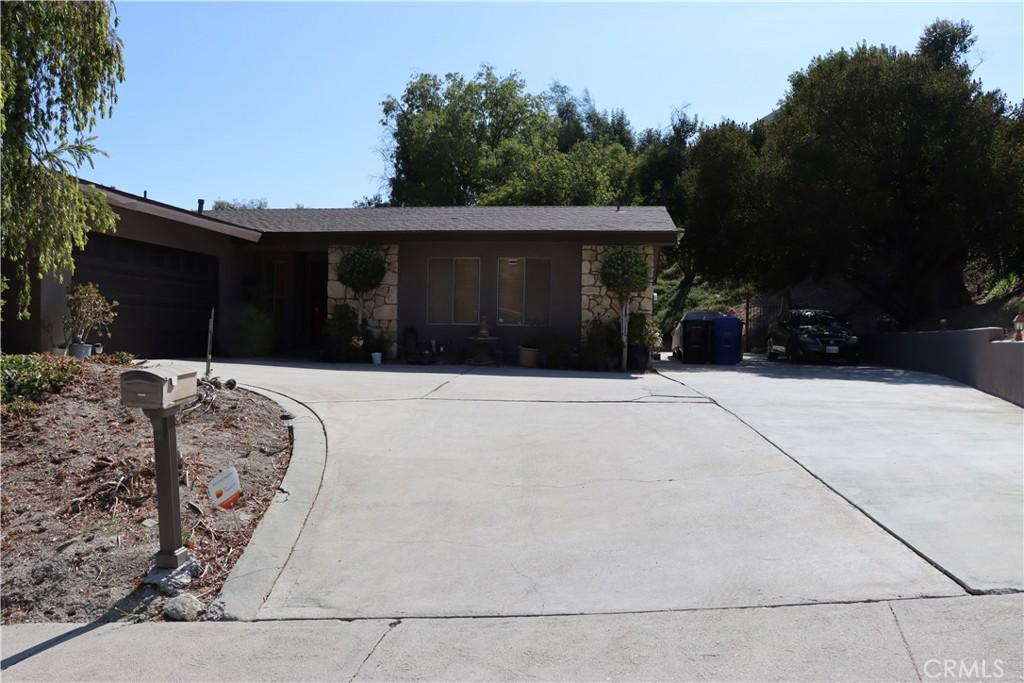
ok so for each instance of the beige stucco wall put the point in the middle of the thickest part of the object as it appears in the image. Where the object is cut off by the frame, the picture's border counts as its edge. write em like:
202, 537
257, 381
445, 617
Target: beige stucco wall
595, 302
380, 307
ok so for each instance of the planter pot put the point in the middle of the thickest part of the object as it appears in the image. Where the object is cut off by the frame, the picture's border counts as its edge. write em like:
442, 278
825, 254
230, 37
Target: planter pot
97, 349
638, 357
529, 358
76, 350
375, 357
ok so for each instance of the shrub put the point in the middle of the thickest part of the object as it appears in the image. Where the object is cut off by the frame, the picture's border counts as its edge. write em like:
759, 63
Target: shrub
32, 377
644, 331
248, 332
341, 328
116, 358
88, 312
603, 346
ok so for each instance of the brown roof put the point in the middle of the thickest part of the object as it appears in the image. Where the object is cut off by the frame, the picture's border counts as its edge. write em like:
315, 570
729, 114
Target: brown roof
645, 219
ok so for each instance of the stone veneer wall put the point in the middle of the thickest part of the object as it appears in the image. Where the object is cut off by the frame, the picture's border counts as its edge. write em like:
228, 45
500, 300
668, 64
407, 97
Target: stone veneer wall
596, 303
380, 307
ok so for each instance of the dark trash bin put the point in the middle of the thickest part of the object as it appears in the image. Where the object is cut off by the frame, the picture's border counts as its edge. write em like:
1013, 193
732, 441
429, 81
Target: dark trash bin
696, 340
726, 340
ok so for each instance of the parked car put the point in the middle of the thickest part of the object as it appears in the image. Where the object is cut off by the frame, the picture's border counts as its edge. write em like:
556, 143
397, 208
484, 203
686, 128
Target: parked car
812, 335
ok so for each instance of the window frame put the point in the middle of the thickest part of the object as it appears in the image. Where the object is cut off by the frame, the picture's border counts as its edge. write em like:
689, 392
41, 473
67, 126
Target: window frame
451, 302
497, 287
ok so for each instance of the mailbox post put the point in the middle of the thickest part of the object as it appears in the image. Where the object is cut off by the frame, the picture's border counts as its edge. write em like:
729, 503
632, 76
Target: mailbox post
160, 392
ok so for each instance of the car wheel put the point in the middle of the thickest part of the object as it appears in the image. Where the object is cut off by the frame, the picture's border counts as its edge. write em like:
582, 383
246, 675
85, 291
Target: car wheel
772, 354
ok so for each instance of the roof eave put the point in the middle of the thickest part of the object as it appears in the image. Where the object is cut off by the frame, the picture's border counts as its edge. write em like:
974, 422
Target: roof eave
126, 201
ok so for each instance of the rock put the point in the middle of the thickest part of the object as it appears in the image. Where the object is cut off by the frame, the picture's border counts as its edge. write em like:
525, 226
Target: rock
149, 523
184, 607
173, 581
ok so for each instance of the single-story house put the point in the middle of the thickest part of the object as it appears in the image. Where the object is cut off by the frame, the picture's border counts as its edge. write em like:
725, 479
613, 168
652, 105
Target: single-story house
530, 271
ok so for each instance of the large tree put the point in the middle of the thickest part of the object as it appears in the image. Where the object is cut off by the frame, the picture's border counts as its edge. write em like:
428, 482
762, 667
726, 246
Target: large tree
60, 63
443, 129
880, 168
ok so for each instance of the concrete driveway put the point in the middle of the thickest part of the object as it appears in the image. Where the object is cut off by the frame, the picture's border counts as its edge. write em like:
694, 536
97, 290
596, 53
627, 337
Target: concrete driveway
936, 462
608, 527
458, 492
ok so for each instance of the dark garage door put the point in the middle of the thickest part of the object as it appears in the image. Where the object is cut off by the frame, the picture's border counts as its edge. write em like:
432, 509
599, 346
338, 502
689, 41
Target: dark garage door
164, 295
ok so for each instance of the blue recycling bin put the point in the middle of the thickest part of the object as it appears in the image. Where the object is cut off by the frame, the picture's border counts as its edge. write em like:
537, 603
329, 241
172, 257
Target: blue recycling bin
726, 340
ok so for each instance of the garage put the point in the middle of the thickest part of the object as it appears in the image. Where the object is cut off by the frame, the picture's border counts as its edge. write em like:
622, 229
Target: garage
164, 294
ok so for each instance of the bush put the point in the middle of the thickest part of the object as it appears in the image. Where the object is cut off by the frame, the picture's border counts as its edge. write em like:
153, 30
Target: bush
248, 332
116, 358
644, 331
603, 346
339, 331
32, 377
88, 312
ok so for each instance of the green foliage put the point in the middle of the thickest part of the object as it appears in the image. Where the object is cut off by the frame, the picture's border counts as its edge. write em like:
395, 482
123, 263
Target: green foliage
241, 204
248, 332
644, 331
32, 377
60, 63
624, 271
602, 346
342, 326
87, 312
458, 141
361, 268
116, 358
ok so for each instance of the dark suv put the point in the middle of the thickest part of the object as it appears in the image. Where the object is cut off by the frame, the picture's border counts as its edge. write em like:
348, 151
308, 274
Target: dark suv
806, 334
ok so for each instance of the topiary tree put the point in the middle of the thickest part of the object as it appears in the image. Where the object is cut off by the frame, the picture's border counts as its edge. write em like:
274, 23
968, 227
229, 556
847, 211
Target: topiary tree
361, 269
624, 272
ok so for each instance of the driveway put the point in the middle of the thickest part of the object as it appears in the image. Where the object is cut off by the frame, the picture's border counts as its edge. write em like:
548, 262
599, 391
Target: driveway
455, 492
936, 462
610, 527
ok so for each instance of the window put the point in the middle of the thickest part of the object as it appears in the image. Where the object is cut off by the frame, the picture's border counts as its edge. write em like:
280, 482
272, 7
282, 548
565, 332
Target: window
453, 291
524, 291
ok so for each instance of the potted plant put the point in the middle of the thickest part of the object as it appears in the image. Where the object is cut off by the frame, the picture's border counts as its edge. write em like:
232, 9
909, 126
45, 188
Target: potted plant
644, 338
624, 272
88, 312
361, 269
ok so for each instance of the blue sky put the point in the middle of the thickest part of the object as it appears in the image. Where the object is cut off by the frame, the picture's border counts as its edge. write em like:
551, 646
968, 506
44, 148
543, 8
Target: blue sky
282, 100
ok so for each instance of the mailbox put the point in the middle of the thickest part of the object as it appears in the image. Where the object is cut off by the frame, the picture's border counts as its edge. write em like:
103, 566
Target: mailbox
157, 388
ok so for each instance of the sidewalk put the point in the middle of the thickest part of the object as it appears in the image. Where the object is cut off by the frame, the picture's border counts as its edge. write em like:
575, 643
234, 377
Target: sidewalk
963, 638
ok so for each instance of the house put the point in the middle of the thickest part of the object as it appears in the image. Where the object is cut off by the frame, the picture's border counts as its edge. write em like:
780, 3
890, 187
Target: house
530, 271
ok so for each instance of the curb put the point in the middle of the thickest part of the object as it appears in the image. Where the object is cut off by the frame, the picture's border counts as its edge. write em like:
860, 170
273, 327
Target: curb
251, 580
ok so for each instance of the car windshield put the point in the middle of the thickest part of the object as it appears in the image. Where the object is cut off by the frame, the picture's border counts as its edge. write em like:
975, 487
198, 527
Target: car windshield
817, 318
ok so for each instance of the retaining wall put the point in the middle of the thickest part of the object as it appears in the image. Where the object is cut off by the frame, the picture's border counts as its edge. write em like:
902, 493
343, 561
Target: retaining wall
977, 357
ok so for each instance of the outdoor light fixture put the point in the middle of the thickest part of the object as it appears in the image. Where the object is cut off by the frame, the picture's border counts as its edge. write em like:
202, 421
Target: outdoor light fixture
160, 392
1018, 325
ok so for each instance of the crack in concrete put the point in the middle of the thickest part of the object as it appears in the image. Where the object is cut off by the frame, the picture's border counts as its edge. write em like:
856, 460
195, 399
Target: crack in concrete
903, 637
534, 588
389, 629
562, 486
947, 573
607, 613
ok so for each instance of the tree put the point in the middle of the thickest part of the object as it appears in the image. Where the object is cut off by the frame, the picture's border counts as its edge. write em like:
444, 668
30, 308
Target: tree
443, 129
361, 269
879, 168
60, 63
241, 204
624, 272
